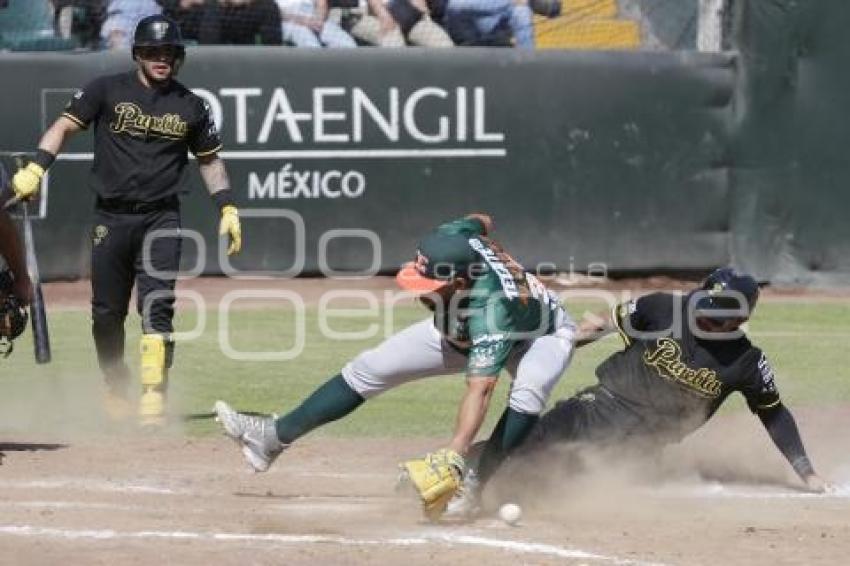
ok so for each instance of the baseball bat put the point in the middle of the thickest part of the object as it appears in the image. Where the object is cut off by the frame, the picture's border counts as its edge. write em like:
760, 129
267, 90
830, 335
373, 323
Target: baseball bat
38, 313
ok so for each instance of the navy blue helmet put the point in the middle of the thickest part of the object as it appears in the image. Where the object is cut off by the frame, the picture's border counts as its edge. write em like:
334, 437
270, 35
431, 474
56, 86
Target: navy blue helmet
725, 287
158, 32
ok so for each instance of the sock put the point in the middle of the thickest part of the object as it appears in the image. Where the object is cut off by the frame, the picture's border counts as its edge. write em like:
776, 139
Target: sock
330, 402
513, 427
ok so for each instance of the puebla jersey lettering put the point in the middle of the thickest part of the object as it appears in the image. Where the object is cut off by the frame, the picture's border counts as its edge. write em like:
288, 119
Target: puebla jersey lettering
505, 306
130, 119
674, 379
142, 135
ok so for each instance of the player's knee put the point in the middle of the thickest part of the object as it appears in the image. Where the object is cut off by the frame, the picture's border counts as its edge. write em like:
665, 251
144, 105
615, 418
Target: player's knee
363, 376
106, 319
528, 398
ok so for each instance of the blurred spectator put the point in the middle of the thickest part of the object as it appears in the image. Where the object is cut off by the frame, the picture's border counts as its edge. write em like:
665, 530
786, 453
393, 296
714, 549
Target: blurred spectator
306, 24
251, 22
199, 20
80, 20
490, 22
121, 19
395, 23
246, 22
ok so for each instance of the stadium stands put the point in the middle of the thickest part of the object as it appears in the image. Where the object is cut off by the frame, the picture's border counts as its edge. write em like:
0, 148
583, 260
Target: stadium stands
28, 25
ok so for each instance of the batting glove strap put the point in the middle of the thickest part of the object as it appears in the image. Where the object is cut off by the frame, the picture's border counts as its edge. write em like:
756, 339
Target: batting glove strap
44, 159
223, 198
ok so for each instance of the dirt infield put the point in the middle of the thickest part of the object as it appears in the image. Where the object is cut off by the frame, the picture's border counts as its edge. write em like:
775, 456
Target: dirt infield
126, 496
140, 498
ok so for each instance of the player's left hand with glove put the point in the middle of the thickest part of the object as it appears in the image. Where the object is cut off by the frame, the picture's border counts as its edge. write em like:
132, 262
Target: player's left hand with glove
27, 181
437, 478
230, 226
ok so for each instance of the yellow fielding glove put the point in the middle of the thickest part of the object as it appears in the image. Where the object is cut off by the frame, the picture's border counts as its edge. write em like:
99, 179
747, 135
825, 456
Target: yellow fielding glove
437, 477
230, 226
27, 180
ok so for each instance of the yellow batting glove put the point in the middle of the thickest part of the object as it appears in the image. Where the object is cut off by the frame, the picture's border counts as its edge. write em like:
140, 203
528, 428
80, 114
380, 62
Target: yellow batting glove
27, 180
230, 226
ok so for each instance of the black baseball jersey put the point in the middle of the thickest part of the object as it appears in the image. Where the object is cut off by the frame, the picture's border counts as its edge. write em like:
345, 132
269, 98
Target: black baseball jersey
673, 379
142, 135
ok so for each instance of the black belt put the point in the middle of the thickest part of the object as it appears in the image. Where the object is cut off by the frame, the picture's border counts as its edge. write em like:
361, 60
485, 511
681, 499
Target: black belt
121, 206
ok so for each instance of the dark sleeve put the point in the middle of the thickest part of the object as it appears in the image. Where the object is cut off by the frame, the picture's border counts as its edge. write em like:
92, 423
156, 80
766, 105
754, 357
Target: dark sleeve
759, 386
782, 428
649, 313
203, 137
86, 104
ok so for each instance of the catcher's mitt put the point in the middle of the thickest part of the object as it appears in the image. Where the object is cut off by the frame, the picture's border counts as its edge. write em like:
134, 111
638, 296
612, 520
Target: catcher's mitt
437, 478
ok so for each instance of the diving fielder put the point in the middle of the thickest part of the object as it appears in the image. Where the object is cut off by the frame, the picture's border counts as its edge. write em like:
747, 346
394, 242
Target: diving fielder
145, 123
489, 314
684, 355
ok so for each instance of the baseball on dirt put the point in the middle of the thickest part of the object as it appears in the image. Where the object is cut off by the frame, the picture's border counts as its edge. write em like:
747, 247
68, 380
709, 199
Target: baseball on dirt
510, 513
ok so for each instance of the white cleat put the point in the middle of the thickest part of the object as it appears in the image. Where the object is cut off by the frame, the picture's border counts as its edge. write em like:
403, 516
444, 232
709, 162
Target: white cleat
466, 504
256, 435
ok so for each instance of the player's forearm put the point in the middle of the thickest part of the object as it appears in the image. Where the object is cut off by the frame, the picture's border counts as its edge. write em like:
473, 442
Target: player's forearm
782, 428
593, 328
216, 180
472, 411
54, 138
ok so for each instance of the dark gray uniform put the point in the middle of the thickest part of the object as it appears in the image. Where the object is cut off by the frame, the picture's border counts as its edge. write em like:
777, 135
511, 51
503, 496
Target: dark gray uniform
142, 137
665, 383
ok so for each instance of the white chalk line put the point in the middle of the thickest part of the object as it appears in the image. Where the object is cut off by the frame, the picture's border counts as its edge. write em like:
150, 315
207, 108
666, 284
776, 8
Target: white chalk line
67, 505
721, 491
448, 539
89, 485
341, 475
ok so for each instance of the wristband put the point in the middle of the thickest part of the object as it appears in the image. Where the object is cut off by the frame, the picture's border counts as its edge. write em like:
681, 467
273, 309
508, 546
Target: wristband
223, 198
44, 159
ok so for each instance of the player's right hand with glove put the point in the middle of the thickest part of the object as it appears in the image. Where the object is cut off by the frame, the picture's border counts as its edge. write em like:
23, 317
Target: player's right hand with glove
437, 478
27, 181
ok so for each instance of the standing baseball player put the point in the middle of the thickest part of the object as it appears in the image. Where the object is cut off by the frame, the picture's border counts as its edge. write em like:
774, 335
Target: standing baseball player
145, 123
488, 314
684, 355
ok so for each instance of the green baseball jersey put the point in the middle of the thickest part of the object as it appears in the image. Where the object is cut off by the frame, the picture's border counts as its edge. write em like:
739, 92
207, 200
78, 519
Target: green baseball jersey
505, 305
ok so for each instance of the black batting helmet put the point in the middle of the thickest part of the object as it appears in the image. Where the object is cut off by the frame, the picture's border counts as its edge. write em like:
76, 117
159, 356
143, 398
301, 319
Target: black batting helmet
159, 31
724, 289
